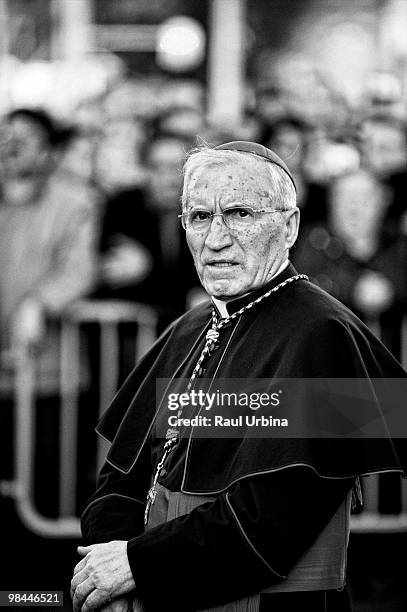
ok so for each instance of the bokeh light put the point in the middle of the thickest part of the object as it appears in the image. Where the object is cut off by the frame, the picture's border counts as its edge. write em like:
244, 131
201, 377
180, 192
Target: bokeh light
180, 44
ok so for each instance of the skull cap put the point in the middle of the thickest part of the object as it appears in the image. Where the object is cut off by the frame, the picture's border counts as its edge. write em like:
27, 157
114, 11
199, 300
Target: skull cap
254, 148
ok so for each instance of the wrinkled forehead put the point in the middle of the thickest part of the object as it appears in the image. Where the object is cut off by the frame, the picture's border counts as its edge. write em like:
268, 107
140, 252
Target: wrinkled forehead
212, 181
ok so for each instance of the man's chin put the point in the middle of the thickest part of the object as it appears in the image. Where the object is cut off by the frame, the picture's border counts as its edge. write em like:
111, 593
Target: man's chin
223, 290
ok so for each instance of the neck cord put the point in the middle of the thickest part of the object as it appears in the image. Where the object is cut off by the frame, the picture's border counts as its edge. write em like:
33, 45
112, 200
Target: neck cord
211, 344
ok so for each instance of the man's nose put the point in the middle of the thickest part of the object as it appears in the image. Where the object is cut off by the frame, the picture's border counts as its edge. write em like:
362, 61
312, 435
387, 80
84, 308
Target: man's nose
218, 236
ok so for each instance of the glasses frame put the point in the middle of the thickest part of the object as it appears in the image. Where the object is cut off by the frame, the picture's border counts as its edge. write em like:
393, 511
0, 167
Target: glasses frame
220, 214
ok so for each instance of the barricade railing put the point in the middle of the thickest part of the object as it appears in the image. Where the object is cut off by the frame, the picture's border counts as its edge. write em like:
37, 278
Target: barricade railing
371, 519
108, 315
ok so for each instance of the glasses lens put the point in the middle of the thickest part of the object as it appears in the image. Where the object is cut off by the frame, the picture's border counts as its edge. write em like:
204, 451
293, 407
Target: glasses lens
234, 218
239, 217
198, 220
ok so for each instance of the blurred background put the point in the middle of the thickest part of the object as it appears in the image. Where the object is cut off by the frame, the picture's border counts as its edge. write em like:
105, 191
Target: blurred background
100, 100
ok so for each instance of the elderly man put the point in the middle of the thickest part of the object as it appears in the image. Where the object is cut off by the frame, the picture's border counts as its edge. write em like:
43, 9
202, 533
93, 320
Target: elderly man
241, 523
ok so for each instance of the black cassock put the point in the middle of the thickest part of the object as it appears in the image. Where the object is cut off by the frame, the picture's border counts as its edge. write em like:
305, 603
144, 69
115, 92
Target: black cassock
270, 497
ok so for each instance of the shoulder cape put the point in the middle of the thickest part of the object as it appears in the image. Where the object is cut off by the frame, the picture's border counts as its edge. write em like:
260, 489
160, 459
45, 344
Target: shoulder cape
299, 332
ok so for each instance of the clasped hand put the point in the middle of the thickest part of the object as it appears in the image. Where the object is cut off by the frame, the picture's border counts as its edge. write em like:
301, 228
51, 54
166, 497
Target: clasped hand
102, 576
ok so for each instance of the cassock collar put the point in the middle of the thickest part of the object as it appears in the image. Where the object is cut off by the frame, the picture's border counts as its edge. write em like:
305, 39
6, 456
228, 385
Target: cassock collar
238, 303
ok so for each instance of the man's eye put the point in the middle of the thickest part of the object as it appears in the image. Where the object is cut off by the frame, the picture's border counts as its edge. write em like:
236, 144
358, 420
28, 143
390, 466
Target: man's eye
199, 215
239, 213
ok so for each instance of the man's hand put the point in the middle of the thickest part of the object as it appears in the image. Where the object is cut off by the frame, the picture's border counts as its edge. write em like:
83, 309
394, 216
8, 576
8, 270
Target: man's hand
127, 262
103, 575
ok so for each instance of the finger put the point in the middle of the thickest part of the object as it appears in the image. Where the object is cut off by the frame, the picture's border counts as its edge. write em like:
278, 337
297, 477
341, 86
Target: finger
95, 599
81, 593
79, 566
76, 581
84, 550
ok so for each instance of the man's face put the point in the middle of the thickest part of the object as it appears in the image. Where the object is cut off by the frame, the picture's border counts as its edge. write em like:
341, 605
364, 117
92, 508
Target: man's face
358, 204
230, 264
26, 148
385, 148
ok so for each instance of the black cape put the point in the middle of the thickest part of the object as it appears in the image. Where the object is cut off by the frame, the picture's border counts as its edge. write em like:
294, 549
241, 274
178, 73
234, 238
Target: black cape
300, 332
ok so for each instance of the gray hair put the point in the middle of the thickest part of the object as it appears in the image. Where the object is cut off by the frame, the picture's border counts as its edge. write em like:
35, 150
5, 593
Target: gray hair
282, 190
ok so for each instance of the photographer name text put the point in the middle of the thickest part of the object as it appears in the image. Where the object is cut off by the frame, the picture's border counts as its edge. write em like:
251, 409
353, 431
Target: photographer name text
220, 421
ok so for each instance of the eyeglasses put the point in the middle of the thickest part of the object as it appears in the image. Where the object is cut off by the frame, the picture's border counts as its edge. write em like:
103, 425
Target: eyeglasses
235, 218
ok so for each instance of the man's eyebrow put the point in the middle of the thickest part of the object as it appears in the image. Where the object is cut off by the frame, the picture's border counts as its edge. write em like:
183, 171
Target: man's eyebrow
240, 202
196, 204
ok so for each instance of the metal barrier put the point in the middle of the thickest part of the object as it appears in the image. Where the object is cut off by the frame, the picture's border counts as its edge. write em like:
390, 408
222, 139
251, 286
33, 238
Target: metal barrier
371, 520
108, 315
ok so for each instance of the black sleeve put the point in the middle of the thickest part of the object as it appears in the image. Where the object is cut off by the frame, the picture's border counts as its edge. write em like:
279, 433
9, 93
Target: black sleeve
244, 541
116, 510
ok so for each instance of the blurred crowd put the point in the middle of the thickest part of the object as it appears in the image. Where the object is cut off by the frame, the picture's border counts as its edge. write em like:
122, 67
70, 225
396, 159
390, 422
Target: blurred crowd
89, 209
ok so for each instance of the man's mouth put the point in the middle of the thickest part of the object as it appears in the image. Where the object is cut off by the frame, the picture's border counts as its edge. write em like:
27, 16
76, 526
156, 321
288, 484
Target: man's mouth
221, 264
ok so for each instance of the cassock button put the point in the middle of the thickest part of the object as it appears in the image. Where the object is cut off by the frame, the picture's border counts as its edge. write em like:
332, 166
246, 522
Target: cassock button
201, 371
163, 473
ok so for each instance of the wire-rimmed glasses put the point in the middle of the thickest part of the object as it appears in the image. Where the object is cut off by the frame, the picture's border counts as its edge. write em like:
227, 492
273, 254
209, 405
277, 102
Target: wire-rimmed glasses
235, 218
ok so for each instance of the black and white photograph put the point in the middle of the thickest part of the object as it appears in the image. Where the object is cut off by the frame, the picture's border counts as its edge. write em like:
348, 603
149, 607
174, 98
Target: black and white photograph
203, 305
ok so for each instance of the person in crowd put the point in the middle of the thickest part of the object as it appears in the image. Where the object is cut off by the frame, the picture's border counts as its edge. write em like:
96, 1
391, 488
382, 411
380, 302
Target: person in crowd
384, 150
47, 260
182, 522
184, 121
270, 104
144, 258
384, 145
289, 137
47, 229
350, 258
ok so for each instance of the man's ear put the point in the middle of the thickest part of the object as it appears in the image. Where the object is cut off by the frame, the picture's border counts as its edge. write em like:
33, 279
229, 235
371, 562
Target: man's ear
292, 224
